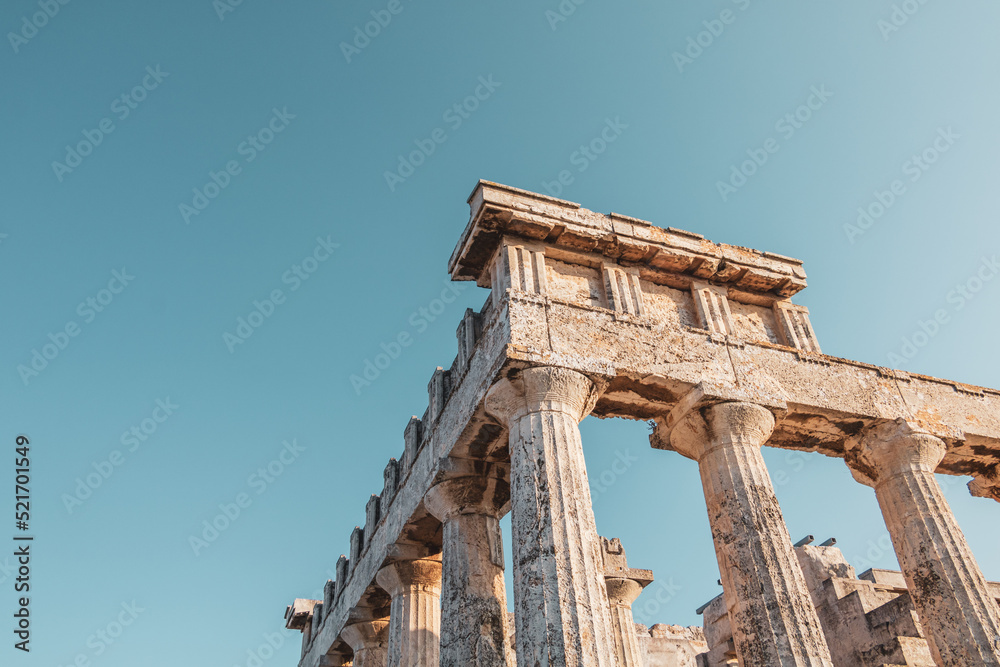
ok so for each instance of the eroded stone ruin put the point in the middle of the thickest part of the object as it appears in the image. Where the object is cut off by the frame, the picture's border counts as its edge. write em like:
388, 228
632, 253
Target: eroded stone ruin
608, 315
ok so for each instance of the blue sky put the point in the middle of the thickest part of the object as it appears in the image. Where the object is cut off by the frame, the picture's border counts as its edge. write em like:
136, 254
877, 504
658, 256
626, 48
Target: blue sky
280, 139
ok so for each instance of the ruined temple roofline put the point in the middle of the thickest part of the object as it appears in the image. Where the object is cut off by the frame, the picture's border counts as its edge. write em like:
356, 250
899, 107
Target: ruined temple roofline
668, 256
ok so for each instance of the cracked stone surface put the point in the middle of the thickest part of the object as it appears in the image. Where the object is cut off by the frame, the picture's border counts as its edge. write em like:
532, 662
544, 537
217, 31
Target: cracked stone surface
561, 607
773, 618
369, 641
414, 586
473, 600
960, 618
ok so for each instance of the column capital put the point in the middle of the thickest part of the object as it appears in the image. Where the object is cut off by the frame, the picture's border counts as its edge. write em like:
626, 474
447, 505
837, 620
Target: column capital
622, 592
701, 429
542, 388
469, 487
366, 634
395, 578
888, 448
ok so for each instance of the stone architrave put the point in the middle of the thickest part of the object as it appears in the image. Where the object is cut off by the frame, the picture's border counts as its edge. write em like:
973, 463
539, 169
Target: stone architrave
415, 613
560, 603
469, 504
960, 618
773, 617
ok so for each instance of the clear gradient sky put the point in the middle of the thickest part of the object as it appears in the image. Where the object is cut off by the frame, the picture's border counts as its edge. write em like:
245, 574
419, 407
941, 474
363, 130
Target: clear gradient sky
141, 103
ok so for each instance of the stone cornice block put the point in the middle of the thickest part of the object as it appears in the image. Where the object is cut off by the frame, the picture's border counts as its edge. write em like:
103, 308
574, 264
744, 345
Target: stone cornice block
499, 210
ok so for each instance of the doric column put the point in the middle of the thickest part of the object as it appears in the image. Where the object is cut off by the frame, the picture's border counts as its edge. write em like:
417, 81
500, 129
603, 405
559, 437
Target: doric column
959, 618
560, 604
773, 617
469, 504
415, 613
369, 641
624, 585
621, 594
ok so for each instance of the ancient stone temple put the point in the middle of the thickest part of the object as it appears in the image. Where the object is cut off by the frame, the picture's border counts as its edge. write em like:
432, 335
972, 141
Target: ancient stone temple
610, 316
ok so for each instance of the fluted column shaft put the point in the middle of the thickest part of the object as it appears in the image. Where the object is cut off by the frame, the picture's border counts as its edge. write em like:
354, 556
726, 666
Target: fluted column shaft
959, 617
560, 606
415, 612
369, 641
773, 618
621, 594
473, 595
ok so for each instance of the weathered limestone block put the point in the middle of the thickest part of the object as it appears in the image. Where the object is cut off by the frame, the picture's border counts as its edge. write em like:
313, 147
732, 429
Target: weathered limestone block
521, 267
438, 390
866, 621
357, 545
469, 504
390, 483
560, 602
718, 634
796, 329
372, 515
299, 616
960, 618
412, 439
712, 303
415, 613
317, 618
469, 331
774, 621
672, 646
329, 595
623, 290
624, 584
369, 641
343, 569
